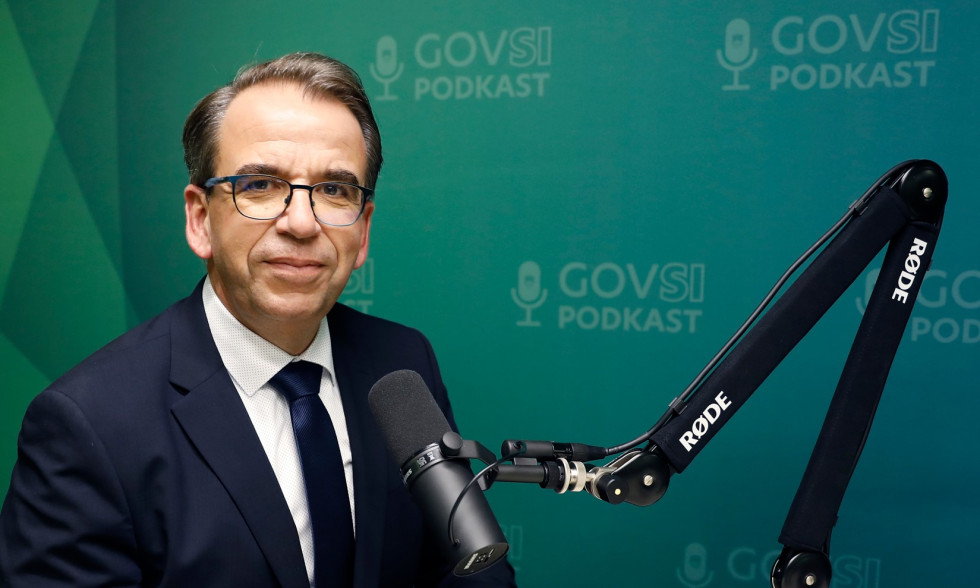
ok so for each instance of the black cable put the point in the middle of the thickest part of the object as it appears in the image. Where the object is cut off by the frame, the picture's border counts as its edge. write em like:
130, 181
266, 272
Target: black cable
466, 488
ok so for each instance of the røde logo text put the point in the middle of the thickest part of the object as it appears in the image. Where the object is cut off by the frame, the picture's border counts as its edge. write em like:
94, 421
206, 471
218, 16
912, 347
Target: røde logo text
907, 277
700, 426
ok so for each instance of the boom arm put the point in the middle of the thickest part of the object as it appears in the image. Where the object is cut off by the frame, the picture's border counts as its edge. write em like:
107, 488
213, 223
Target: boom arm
903, 209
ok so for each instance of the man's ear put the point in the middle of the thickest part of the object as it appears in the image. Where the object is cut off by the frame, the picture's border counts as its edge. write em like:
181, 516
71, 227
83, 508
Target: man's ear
365, 236
198, 227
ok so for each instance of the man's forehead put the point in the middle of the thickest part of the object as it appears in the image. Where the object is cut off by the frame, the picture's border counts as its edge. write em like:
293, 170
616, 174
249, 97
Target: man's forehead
277, 95
282, 112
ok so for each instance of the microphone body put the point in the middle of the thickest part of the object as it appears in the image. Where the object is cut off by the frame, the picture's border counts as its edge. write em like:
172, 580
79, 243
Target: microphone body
529, 282
737, 37
413, 425
386, 54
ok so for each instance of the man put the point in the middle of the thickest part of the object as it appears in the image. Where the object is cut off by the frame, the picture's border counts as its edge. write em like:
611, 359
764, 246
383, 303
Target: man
175, 456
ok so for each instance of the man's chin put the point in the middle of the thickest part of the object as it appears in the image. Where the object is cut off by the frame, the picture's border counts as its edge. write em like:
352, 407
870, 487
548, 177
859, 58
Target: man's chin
293, 310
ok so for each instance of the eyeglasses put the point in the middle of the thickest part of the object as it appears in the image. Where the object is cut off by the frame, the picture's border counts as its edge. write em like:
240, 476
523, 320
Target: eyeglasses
262, 197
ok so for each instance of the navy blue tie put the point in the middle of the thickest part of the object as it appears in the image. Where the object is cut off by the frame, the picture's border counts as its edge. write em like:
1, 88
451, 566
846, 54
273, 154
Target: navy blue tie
323, 473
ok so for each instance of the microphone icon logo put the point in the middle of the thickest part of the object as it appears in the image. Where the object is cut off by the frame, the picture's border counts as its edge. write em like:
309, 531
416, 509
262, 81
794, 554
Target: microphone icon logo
737, 55
694, 573
528, 293
386, 68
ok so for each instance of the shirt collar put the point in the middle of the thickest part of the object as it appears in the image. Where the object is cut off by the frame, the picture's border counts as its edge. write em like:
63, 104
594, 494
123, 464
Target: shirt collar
251, 360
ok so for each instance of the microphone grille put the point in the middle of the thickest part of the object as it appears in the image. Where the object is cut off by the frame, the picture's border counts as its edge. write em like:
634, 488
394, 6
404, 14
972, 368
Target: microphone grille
407, 414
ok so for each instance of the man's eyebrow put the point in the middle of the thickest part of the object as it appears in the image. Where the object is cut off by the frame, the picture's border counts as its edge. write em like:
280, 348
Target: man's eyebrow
340, 175
333, 175
258, 168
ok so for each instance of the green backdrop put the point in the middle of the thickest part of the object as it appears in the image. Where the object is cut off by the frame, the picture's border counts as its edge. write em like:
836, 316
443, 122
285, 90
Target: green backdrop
658, 163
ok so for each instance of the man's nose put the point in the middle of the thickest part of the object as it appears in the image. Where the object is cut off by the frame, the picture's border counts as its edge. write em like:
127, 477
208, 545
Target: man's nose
298, 219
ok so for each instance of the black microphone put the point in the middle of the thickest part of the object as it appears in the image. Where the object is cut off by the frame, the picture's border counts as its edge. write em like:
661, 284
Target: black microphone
413, 425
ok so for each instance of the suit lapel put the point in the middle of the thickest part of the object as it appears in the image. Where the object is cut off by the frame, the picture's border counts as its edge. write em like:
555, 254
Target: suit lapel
214, 419
355, 378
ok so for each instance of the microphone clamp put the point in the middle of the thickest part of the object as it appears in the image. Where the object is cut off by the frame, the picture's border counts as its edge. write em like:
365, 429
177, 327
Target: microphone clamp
450, 446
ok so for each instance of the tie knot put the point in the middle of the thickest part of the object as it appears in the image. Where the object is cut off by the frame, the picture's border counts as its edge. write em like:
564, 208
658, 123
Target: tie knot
297, 379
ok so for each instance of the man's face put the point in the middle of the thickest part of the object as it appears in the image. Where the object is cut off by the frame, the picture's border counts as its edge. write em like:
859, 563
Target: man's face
280, 277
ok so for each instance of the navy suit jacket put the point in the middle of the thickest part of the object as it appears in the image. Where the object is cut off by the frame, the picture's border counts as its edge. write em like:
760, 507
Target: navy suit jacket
140, 467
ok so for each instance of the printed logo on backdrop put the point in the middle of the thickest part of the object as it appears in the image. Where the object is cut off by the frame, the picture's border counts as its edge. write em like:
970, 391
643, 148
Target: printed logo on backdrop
885, 50
360, 288
946, 308
694, 573
747, 566
528, 294
464, 65
738, 53
386, 67
663, 298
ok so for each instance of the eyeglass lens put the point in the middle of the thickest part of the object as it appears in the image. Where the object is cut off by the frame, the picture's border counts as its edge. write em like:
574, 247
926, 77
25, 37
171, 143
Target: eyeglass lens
265, 197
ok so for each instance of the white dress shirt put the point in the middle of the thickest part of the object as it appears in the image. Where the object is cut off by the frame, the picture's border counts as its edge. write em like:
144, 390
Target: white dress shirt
251, 362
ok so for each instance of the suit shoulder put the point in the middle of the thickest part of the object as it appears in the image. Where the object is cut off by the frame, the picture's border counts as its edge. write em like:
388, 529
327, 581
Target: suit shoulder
345, 319
386, 345
141, 353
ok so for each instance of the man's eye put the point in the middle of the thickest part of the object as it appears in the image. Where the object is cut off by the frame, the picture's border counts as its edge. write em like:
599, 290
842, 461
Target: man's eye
260, 185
